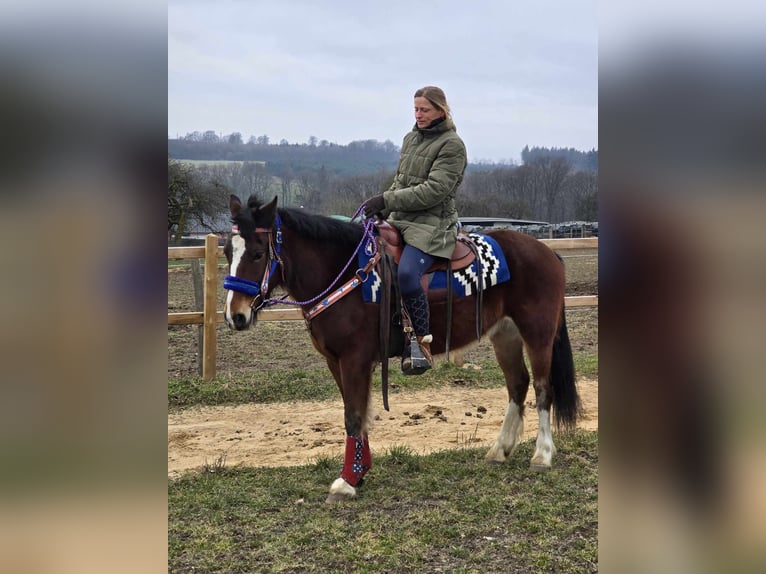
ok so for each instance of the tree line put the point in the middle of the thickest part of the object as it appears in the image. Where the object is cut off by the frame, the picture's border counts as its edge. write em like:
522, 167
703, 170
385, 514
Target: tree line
357, 157
561, 185
581, 161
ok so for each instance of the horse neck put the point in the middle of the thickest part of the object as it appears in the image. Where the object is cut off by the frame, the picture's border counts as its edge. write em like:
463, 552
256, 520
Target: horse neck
311, 267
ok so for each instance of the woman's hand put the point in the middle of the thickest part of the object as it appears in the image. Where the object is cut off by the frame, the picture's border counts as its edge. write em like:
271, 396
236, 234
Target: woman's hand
375, 205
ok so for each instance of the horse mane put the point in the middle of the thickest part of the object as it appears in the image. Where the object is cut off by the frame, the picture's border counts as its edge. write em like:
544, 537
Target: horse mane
315, 227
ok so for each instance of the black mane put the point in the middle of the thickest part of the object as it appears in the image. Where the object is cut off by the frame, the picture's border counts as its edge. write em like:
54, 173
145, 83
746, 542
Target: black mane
308, 225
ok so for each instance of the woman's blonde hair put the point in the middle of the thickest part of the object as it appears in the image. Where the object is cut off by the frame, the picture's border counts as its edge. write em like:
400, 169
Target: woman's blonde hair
437, 98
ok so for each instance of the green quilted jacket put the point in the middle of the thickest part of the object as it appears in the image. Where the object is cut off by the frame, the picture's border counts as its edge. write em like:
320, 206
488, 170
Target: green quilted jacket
421, 200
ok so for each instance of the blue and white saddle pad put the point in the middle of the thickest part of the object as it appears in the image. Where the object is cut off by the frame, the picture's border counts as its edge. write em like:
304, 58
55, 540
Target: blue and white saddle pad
464, 281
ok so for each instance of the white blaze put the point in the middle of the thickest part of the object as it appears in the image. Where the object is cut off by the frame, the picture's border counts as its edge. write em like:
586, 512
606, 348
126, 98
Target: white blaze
237, 251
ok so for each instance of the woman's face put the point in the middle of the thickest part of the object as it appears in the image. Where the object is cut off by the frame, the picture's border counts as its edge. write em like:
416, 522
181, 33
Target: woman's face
425, 112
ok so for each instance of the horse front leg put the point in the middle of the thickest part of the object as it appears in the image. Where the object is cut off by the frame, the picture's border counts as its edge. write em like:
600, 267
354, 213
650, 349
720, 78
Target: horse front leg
357, 459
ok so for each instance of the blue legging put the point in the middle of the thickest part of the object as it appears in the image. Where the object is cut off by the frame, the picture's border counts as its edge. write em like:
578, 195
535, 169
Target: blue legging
412, 265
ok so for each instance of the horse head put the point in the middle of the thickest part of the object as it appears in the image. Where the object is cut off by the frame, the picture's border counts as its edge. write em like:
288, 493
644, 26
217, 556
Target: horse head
252, 251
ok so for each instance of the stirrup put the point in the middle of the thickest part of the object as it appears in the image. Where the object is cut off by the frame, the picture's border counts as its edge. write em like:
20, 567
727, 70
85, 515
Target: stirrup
417, 363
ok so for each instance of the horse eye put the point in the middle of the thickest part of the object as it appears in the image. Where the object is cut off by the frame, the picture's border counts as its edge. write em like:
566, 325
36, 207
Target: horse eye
257, 256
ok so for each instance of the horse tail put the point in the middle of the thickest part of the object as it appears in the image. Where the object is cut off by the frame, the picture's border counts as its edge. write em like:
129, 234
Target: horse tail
566, 401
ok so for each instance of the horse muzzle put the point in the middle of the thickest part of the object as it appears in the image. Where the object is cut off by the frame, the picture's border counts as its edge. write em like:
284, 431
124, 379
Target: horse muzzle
241, 321
238, 313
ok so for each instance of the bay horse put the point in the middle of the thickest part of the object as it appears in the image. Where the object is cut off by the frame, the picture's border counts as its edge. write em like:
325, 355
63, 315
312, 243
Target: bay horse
305, 254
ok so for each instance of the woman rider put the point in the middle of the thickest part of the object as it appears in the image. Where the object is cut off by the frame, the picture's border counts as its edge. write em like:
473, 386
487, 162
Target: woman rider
421, 204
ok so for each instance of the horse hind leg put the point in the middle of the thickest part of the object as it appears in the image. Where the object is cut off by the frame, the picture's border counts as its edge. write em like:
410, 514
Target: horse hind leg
508, 346
545, 450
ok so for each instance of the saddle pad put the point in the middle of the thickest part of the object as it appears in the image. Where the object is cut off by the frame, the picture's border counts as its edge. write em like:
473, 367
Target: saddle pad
464, 281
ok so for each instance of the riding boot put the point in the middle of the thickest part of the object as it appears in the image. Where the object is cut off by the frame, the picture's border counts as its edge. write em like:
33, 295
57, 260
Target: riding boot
417, 358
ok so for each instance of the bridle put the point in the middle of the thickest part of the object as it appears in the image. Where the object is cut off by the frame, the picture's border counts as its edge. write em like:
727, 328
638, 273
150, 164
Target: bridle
259, 291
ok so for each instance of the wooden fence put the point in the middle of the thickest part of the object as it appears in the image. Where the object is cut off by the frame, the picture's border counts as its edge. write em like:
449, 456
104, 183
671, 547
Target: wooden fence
210, 315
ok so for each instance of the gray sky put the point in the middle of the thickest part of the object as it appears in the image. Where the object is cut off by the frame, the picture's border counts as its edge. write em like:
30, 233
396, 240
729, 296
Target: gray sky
515, 73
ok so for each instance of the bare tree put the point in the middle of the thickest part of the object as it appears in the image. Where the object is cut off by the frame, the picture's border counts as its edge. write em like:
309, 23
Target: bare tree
306, 194
286, 183
581, 188
548, 176
492, 192
349, 192
210, 137
256, 178
192, 198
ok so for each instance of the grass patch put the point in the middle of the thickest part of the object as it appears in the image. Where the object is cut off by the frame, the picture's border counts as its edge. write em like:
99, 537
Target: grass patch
265, 387
317, 384
586, 365
444, 373
447, 511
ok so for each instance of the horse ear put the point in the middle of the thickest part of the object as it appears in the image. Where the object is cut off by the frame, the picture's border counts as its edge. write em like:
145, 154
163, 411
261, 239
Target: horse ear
270, 209
235, 204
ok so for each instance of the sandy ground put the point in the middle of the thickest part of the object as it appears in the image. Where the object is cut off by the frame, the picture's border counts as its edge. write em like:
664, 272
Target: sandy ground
285, 434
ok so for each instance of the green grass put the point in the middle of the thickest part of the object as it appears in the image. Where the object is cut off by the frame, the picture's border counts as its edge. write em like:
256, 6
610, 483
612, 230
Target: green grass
447, 511
265, 387
586, 365
317, 384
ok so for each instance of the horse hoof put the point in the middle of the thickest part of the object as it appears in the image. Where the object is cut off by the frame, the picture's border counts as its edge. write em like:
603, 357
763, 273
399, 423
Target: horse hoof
538, 467
340, 491
498, 454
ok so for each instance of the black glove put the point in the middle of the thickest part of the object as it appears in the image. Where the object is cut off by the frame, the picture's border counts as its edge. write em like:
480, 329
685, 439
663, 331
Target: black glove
376, 204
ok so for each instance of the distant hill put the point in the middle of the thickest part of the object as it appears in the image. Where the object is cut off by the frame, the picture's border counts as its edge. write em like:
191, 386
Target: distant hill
356, 158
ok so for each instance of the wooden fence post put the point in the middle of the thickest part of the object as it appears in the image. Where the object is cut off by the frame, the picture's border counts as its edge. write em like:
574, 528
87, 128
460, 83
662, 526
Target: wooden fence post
198, 282
209, 310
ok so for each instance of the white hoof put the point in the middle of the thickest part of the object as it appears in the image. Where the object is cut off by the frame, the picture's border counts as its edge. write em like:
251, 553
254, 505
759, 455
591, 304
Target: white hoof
340, 491
542, 459
497, 454
539, 466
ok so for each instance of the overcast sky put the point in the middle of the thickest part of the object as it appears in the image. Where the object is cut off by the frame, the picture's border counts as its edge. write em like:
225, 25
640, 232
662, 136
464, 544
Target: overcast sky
515, 73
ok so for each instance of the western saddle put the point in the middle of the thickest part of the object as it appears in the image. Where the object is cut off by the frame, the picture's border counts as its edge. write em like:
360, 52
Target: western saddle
462, 256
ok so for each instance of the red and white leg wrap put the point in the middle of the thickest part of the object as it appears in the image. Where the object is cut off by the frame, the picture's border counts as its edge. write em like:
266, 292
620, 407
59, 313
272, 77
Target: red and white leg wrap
358, 459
